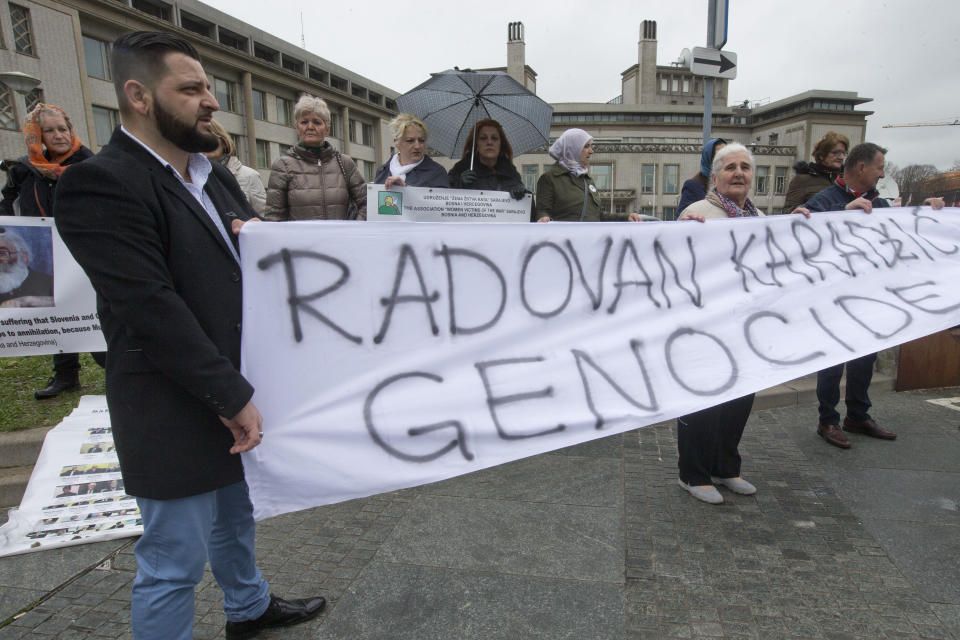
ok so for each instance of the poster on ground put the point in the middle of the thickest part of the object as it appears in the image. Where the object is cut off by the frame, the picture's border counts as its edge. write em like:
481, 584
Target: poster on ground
383, 360
47, 304
75, 494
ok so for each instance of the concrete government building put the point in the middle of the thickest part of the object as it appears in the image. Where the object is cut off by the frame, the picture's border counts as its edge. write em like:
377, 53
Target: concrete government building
648, 138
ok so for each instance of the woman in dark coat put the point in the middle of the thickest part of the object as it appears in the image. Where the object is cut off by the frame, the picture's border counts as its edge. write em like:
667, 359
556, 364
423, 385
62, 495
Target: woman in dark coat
695, 189
813, 177
410, 166
52, 146
489, 167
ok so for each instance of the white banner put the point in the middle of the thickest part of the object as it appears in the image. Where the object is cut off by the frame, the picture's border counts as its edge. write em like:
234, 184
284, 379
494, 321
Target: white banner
384, 360
75, 494
422, 204
47, 304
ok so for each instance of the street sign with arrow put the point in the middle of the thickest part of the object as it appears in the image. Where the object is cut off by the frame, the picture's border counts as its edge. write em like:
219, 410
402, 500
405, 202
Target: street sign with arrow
705, 61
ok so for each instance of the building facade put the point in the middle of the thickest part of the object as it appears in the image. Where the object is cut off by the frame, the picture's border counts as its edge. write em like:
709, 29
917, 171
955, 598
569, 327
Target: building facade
648, 139
256, 77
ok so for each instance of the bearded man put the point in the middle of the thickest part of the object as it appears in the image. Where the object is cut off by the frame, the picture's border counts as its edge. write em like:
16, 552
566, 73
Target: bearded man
21, 286
153, 224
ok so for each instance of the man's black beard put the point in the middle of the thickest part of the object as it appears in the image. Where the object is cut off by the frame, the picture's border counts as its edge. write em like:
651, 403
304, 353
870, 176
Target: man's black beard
188, 138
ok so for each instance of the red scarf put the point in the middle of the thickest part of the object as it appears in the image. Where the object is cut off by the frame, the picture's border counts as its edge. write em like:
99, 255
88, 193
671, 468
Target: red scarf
869, 194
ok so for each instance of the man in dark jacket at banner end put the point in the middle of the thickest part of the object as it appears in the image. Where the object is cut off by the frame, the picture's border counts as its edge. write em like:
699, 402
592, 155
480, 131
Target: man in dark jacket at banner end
153, 224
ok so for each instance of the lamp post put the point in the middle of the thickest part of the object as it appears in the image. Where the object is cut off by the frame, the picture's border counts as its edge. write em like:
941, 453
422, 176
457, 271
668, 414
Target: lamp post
22, 83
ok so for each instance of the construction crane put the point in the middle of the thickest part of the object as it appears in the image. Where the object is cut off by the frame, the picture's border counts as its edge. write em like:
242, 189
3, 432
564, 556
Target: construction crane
923, 124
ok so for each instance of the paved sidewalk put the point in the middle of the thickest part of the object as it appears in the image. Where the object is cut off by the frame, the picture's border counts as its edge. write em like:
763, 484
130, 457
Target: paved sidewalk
598, 542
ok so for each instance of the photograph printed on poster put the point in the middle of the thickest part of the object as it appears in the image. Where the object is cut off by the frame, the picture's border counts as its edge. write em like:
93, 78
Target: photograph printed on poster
26, 266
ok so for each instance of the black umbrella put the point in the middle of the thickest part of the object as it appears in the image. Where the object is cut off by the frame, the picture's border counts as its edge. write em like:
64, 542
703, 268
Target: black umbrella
452, 101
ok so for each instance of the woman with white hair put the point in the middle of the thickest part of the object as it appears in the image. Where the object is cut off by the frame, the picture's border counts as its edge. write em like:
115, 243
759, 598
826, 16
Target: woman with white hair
566, 192
708, 440
314, 181
410, 166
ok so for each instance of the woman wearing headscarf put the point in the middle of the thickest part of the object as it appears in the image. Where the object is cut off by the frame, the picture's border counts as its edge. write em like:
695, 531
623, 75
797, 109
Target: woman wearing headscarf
813, 177
410, 166
52, 146
566, 192
249, 179
708, 440
488, 164
314, 181
695, 189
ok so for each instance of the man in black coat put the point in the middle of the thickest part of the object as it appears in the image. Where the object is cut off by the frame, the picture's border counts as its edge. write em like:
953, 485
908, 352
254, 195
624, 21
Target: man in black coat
153, 224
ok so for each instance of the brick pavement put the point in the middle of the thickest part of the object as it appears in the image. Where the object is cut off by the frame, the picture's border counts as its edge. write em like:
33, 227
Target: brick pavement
795, 561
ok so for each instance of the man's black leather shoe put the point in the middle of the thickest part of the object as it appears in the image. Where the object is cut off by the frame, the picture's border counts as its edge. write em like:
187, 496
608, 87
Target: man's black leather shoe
280, 613
57, 385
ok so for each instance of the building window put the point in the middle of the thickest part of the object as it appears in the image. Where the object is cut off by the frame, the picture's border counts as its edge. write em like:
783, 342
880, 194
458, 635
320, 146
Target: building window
648, 178
367, 167
263, 154
232, 40
686, 85
239, 145
671, 178
669, 213
195, 24
259, 106
291, 64
338, 83
318, 75
601, 174
763, 180
226, 94
530, 173
664, 84
284, 111
265, 53
284, 148
361, 132
104, 122
647, 211
780, 181
96, 54
335, 125
34, 98
157, 10
8, 111
22, 32
676, 85
620, 208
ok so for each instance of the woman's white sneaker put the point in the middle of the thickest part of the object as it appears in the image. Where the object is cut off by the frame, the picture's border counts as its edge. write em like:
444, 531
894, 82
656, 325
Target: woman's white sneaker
737, 485
706, 493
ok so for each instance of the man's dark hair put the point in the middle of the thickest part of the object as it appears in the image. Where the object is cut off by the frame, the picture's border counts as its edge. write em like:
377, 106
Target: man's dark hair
139, 55
864, 152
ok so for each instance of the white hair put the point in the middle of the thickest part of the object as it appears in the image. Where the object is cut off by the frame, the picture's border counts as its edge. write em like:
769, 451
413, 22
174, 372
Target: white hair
732, 147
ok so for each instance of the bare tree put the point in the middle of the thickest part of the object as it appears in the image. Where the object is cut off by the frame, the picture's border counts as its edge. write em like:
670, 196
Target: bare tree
910, 180
956, 165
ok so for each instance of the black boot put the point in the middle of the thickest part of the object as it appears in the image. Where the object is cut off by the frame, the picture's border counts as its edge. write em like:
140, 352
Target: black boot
57, 385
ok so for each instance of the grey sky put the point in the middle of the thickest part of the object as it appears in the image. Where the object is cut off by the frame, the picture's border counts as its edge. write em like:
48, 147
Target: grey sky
905, 54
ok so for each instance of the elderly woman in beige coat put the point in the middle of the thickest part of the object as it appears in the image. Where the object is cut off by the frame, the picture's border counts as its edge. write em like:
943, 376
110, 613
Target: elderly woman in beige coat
708, 440
314, 181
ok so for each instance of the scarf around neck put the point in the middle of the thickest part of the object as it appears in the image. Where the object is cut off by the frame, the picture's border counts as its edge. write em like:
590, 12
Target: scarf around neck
401, 170
33, 137
728, 205
869, 194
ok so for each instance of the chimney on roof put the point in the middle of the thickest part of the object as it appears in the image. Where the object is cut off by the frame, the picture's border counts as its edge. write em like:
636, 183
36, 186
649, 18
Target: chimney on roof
516, 52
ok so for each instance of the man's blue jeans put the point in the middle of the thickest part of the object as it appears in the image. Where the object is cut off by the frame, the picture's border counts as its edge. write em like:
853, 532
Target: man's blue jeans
179, 536
859, 375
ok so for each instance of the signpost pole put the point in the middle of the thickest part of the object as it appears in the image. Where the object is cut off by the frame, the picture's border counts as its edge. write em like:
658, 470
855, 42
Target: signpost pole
708, 81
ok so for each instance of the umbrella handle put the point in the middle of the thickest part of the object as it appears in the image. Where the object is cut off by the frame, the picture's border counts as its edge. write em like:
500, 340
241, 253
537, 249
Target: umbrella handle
474, 152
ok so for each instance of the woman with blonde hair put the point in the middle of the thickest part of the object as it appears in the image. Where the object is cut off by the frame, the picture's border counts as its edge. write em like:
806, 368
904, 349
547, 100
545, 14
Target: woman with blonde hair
410, 166
314, 181
249, 179
52, 146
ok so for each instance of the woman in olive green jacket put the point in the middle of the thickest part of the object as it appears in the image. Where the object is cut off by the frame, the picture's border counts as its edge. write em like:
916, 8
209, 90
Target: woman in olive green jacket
566, 192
